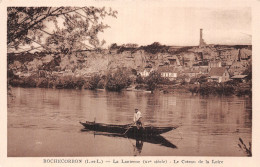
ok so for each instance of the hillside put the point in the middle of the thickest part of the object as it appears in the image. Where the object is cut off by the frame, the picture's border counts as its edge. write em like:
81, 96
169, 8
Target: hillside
88, 63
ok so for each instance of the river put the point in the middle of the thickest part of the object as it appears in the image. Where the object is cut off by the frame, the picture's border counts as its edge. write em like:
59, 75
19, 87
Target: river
45, 122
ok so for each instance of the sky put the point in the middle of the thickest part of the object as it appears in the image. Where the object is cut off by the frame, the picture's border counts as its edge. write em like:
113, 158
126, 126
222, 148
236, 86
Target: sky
169, 25
144, 23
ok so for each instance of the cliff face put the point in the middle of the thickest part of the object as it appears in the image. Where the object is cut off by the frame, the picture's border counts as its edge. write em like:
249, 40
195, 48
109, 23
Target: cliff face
127, 59
92, 62
85, 63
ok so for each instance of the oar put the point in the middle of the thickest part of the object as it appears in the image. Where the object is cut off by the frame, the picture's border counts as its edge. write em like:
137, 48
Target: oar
129, 128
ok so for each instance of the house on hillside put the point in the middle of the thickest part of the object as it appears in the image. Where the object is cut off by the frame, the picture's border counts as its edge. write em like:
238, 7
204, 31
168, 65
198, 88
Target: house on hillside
218, 74
201, 69
168, 72
214, 64
146, 72
191, 73
239, 78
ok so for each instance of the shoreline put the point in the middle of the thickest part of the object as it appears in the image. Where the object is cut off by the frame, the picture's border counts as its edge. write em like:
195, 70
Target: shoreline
205, 89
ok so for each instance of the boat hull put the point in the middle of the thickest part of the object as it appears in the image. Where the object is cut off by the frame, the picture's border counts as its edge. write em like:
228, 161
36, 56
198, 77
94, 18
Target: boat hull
126, 129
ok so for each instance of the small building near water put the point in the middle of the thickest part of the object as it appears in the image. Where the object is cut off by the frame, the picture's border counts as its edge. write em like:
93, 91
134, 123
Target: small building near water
218, 74
192, 73
215, 64
146, 72
239, 78
168, 72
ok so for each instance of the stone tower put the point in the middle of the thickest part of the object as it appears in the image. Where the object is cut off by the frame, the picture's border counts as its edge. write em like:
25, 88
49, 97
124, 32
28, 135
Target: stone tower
202, 42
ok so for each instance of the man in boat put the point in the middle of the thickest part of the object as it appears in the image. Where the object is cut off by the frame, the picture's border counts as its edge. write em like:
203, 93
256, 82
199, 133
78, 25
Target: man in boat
138, 119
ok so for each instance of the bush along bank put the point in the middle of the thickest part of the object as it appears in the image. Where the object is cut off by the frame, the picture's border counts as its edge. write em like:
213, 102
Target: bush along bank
113, 81
121, 79
67, 82
227, 89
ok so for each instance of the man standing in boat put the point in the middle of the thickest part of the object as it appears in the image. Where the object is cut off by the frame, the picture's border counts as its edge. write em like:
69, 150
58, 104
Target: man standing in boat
138, 118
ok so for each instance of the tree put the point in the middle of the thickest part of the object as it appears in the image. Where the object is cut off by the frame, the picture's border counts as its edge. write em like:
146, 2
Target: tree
155, 47
202, 79
153, 80
65, 29
248, 72
113, 46
93, 82
131, 45
118, 80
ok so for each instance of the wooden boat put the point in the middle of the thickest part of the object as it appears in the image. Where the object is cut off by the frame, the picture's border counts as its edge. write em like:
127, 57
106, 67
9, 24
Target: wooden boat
126, 129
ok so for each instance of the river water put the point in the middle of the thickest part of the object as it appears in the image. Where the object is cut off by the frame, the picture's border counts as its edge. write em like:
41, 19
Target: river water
45, 122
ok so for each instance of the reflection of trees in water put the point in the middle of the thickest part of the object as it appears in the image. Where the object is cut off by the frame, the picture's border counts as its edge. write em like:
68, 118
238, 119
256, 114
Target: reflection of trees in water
160, 107
167, 109
248, 114
121, 105
222, 114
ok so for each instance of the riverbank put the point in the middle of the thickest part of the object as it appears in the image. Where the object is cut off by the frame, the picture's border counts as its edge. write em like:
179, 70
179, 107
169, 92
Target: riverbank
222, 89
113, 81
97, 82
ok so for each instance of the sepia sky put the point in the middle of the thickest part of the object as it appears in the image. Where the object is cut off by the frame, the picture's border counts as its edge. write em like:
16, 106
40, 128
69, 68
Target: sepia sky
178, 25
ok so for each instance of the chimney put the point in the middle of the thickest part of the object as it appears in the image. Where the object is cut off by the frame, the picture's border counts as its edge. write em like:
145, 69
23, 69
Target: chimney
201, 35
202, 43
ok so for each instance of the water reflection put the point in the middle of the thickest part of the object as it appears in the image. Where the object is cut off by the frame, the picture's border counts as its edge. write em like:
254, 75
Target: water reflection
139, 141
138, 147
208, 123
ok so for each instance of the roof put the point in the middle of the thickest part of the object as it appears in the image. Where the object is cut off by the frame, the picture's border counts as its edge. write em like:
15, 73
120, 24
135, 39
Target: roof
238, 76
217, 71
191, 71
167, 69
